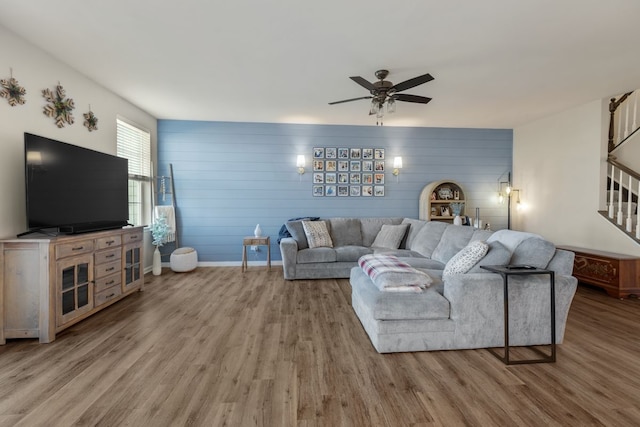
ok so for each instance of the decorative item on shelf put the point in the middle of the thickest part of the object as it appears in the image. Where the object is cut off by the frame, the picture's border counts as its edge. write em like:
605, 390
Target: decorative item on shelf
258, 231
159, 232
445, 193
456, 209
90, 120
12, 91
59, 107
397, 165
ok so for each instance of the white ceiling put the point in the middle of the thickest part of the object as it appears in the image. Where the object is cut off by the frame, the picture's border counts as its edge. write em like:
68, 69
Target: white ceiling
496, 63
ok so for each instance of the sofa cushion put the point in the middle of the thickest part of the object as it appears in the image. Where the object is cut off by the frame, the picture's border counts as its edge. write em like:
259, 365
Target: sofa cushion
351, 253
534, 251
511, 238
390, 236
498, 254
429, 304
296, 230
317, 234
315, 255
452, 241
345, 232
415, 225
466, 258
422, 262
388, 273
428, 238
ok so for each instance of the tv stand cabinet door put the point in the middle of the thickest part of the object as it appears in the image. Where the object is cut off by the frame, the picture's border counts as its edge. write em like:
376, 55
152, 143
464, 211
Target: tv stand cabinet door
74, 288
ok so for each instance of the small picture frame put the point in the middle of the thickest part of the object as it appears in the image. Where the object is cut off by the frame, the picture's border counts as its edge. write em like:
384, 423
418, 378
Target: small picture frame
343, 153
378, 190
354, 166
318, 165
354, 178
330, 165
343, 191
330, 178
367, 166
355, 153
378, 178
343, 178
343, 165
367, 178
379, 165
318, 153
330, 191
444, 211
456, 195
318, 190
318, 178
367, 153
367, 190
331, 153
354, 191
378, 154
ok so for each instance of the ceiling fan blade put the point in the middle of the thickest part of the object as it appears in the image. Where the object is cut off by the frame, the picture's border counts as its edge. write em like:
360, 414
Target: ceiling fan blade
408, 84
349, 100
411, 98
363, 82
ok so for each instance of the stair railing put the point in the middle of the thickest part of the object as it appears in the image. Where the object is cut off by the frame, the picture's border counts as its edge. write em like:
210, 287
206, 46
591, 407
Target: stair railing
624, 185
624, 124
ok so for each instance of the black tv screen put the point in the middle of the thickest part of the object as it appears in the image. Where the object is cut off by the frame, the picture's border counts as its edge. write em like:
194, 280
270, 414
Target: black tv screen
73, 189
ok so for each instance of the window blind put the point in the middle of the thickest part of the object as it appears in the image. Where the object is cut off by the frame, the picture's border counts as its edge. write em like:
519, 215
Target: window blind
134, 144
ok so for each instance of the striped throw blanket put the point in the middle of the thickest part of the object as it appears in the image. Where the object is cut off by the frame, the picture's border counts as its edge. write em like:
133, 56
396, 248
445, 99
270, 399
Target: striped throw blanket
389, 274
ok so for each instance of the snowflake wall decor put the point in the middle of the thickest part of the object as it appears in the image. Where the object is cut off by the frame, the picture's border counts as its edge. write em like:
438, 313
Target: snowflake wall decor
12, 91
58, 107
90, 120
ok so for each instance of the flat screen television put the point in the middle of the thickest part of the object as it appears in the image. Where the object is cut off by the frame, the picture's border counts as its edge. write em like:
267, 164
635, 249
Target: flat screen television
71, 189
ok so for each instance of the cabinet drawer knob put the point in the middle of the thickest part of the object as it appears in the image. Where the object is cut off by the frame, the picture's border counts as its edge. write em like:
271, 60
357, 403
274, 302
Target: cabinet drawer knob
110, 256
110, 269
77, 248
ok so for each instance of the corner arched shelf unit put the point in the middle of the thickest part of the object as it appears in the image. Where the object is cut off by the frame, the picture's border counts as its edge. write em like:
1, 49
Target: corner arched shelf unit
438, 196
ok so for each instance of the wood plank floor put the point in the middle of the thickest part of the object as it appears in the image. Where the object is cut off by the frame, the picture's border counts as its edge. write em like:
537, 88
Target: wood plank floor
217, 347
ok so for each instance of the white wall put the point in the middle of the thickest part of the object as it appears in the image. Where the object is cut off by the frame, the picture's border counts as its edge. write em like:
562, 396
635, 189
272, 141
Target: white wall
36, 70
558, 163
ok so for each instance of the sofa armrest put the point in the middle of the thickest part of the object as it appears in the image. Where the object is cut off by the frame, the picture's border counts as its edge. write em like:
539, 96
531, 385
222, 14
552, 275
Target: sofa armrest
289, 252
477, 304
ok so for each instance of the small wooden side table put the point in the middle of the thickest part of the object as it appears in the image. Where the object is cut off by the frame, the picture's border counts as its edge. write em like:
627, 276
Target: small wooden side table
255, 241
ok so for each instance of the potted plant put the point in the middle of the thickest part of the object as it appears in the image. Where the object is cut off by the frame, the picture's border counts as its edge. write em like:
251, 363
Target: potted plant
159, 232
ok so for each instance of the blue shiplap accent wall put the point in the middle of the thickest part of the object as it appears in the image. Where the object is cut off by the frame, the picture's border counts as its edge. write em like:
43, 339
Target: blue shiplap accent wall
231, 176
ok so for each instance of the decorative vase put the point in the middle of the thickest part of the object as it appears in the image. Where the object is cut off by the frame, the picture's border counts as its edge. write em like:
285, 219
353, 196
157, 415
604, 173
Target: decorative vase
457, 220
157, 263
258, 231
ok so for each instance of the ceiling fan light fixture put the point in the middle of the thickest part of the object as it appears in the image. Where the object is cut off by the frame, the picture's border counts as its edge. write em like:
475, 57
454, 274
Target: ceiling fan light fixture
375, 107
391, 106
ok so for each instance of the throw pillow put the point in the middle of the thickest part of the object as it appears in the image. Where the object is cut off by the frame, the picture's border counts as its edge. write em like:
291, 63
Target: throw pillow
498, 254
462, 262
317, 234
390, 236
297, 232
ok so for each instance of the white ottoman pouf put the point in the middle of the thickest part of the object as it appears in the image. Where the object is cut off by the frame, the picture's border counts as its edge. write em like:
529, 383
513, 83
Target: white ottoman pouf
184, 259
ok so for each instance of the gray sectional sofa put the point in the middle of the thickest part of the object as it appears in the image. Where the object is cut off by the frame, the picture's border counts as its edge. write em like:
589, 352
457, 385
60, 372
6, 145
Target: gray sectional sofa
458, 311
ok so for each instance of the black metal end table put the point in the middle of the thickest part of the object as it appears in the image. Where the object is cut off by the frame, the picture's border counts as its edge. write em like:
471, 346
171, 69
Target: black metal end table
507, 271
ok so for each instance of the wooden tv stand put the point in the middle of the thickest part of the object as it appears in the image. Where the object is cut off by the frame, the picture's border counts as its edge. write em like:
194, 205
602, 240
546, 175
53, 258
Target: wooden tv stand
617, 274
50, 283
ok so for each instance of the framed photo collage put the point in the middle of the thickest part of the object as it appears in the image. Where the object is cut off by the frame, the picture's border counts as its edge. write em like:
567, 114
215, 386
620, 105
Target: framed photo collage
348, 172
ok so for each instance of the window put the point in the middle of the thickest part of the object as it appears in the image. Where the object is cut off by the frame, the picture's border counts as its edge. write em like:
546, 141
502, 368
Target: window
134, 144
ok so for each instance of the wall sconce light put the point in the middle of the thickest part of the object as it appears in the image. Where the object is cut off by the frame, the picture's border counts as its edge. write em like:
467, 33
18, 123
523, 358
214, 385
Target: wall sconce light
397, 165
300, 163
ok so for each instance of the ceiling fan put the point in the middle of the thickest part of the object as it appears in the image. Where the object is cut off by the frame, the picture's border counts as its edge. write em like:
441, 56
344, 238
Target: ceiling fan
384, 91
